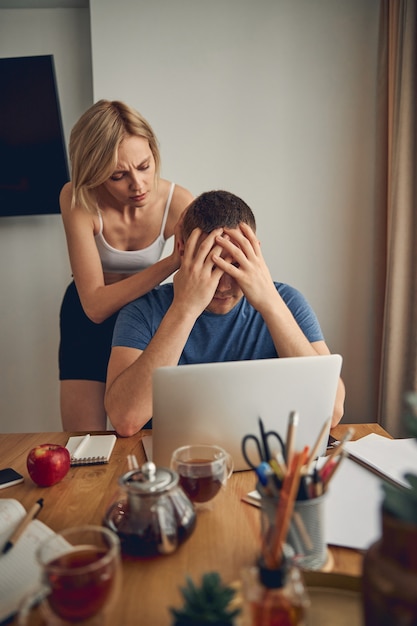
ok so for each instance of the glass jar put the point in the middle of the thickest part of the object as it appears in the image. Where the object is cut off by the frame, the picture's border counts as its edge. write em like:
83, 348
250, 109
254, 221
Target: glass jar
390, 575
274, 597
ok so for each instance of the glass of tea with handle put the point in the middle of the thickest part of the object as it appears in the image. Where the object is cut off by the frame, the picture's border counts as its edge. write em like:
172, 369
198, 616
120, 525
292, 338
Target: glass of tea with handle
80, 578
203, 470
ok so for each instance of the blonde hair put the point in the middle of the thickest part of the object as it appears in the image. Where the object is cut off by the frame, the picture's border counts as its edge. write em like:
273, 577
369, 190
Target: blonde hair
94, 144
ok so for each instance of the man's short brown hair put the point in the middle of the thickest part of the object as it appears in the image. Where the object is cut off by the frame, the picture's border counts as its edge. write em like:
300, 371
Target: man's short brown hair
217, 209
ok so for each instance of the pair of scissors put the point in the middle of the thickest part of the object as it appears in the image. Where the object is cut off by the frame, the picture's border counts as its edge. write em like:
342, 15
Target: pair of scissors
260, 446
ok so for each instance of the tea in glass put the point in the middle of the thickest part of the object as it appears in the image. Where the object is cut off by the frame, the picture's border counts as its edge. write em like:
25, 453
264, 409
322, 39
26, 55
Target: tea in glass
81, 576
203, 470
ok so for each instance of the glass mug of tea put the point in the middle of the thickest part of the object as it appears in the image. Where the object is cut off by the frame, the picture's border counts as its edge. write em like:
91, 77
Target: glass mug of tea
203, 469
81, 577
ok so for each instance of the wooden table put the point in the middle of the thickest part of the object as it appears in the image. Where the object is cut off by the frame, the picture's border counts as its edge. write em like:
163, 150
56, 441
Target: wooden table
225, 539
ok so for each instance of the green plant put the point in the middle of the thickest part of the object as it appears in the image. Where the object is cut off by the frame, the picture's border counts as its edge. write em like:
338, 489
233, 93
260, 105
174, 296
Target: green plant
208, 604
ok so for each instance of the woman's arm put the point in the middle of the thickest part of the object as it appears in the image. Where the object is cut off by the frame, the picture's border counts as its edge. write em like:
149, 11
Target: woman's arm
128, 399
98, 299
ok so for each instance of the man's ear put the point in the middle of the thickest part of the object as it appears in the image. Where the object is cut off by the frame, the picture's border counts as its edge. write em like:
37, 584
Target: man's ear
181, 246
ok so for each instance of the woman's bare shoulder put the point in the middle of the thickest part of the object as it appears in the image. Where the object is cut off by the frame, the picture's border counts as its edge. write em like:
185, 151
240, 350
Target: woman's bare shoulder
65, 196
74, 216
181, 198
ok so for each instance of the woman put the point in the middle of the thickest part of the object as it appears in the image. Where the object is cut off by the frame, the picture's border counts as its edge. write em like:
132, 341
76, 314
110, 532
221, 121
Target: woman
117, 215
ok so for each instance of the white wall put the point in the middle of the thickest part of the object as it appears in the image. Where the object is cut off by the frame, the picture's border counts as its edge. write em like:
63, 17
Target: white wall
34, 268
274, 100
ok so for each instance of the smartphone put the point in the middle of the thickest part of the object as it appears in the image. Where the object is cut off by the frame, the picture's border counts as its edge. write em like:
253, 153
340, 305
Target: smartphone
9, 477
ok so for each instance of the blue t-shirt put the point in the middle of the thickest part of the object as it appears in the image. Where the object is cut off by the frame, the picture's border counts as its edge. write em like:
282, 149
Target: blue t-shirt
241, 334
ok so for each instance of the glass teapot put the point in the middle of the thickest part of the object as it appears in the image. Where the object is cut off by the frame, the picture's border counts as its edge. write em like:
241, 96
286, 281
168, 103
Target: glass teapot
151, 513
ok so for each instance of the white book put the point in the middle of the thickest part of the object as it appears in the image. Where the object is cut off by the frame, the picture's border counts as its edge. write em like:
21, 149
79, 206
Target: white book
91, 449
20, 572
390, 459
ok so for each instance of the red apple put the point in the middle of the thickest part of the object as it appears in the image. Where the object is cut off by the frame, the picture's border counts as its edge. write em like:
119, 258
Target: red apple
48, 463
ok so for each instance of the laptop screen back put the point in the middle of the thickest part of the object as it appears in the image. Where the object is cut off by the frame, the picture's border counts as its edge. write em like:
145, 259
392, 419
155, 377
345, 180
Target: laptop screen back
220, 403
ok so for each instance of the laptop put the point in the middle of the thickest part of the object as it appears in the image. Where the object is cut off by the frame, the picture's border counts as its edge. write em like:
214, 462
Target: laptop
220, 403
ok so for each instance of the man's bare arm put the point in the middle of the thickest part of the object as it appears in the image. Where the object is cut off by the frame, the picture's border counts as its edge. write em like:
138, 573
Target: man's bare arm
128, 398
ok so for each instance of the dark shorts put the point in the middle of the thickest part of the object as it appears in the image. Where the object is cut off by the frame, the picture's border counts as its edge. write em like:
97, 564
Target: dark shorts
85, 347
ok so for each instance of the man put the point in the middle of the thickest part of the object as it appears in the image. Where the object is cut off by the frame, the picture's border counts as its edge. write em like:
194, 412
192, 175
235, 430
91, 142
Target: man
222, 305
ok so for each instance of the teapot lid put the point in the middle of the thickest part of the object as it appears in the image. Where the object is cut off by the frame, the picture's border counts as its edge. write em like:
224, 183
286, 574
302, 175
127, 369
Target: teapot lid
149, 479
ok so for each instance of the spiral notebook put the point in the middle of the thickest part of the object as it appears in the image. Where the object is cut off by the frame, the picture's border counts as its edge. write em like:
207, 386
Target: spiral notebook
91, 449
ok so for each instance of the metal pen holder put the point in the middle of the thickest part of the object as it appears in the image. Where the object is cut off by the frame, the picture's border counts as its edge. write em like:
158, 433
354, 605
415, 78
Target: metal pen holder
305, 540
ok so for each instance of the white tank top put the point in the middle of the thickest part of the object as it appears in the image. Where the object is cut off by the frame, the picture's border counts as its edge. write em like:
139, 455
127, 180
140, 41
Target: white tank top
131, 261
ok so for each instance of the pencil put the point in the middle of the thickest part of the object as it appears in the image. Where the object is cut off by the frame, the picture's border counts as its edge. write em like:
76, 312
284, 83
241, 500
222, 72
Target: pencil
31, 514
302, 531
332, 469
277, 469
292, 427
284, 517
286, 504
279, 458
318, 443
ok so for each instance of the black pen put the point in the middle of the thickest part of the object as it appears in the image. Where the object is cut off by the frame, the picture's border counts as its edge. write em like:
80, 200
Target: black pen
264, 441
317, 486
31, 514
303, 493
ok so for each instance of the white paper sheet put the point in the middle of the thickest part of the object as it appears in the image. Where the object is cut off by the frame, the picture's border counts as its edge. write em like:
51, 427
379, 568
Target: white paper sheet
353, 507
393, 457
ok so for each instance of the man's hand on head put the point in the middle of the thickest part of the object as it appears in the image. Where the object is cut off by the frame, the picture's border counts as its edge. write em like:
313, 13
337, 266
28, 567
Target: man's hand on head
245, 263
198, 277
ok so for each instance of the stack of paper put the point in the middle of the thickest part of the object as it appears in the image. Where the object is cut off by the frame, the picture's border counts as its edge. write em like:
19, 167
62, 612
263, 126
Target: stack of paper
354, 497
390, 458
